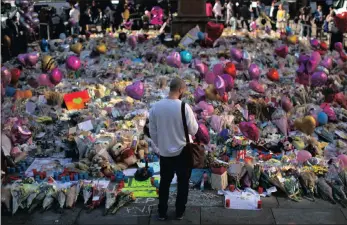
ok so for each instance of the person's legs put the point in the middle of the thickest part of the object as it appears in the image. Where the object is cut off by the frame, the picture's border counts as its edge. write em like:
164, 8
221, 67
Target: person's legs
166, 174
183, 176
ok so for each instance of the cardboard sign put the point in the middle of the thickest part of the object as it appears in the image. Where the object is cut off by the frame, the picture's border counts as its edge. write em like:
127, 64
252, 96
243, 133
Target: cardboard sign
76, 100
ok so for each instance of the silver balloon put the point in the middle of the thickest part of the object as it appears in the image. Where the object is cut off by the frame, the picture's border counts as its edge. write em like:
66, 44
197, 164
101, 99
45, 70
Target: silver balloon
34, 15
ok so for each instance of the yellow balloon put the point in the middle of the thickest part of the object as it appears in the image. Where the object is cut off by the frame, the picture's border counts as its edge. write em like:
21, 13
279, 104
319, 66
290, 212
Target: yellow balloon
177, 37
101, 48
48, 63
306, 124
76, 48
293, 39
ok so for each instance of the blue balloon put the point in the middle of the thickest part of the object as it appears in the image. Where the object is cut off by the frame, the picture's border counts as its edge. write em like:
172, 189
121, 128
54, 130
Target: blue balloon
201, 36
322, 118
62, 36
137, 60
44, 45
10, 91
186, 57
289, 31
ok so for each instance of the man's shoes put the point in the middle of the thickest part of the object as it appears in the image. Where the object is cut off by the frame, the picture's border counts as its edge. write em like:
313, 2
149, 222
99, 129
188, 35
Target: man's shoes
179, 217
162, 218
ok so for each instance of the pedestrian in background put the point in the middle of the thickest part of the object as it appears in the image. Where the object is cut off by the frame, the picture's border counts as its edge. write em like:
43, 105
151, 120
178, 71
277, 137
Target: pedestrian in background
217, 10
281, 19
75, 19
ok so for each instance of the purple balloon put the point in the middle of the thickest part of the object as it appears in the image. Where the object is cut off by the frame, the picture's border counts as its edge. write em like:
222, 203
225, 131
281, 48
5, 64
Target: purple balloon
174, 60
318, 79
302, 68
31, 59
327, 63
313, 62
229, 82
203, 135
135, 90
5, 76
219, 85
199, 95
314, 43
21, 58
236, 54
73, 63
218, 69
202, 68
254, 71
303, 58
56, 76
256, 86
132, 41
246, 60
338, 46
210, 77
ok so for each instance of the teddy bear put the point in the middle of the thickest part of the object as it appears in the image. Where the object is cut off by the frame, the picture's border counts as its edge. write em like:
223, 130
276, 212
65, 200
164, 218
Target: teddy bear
142, 149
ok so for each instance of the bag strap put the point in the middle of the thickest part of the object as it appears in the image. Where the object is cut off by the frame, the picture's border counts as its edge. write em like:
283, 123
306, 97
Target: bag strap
184, 119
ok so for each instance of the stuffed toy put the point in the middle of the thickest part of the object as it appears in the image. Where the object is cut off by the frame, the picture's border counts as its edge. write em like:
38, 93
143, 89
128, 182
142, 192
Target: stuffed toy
142, 149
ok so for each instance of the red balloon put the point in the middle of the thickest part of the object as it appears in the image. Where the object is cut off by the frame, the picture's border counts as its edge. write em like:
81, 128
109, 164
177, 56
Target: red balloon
249, 130
273, 75
282, 51
15, 75
341, 22
230, 69
214, 30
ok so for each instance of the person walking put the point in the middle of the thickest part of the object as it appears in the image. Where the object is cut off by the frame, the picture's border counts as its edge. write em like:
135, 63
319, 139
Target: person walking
245, 16
75, 19
319, 21
209, 9
217, 10
229, 14
167, 132
281, 19
336, 34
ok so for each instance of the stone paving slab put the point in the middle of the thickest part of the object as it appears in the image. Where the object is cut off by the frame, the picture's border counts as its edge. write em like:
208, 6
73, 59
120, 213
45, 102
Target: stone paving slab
20, 217
201, 199
309, 216
48, 217
269, 202
306, 204
218, 215
344, 211
192, 216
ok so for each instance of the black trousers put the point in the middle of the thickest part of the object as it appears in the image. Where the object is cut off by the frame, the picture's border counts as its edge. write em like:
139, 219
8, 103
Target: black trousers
168, 167
243, 22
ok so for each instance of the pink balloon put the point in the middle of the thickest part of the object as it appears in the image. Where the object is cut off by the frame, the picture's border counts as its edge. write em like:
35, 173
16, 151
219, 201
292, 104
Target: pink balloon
73, 63
254, 72
44, 80
218, 69
338, 46
135, 90
56, 76
327, 63
319, 79
199, 95
315, 43
21, 58
249, 130
286, 104
203, 135
236, 54
329, 111
219, 85
174, 60
216, 123
31, 59
132, 41
343, 161
303, 156
206, 107
210, 77
303, 59
256, 86
229, 82
5, 76
202, 68
282, 51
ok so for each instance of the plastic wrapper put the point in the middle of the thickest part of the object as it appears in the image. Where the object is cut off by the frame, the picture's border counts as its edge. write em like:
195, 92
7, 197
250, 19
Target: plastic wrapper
87, 192
6, 196
111, 196
61, 197
123, 199
51, 194
71, 196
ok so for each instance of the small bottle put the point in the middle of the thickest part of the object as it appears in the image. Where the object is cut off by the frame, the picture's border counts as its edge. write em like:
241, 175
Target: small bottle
134, 143
259, 204
227, 203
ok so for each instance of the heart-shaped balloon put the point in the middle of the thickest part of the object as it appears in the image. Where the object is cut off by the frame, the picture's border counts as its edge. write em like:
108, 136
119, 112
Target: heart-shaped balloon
301, 69
324, 46
101, 48
306, 124
219, 85
15, 75
31, 59
292, 39
303, 156
56, 76
254, 71
286, 104
303, 59
230, 69
318, 79
76, 48
338, 46
5, 76
135, 90
73, 63
174, 60
341, 22
204, 106
256, 86
199, 95
202, 68
273, 75
327, 63
315, 43
313, 62
329, 111
203, 135
236, 54
132, 41
210, 77
249, 130
218, 69
282, 51
48, 63
229, 82
214, 30
44, 80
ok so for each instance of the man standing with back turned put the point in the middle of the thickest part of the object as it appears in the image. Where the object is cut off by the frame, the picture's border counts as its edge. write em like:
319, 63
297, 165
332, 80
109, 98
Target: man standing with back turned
167, 132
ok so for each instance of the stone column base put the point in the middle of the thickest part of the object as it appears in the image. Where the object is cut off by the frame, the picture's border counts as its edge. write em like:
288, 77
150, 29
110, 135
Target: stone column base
182, 24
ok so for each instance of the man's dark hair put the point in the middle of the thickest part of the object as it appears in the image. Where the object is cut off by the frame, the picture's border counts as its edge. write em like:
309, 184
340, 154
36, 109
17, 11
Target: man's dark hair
176, 84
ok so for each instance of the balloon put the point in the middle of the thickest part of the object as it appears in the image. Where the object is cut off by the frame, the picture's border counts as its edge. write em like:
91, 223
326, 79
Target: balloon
229, 82
286, 104
201, 36
322, 118
329, 111
122, 37
313, 62
302, 68
44, 45
219, 85
303, 59
273, 75
256, 86
306, 124
132, 41
15, 75
282, 51
254, 71
34, 15
343, 161
199, 95
36, 22
62, 36
73, 63
101, 48
293, 39
303, 156
21, 58
216, 123
72, 21
236, 54
186, 57
214, 30
246, 60
210, 77
202, 68
10, 91
44, 80
230, 69
56, 76
324, 46
174, 60
32, 58
142, 38
5, 76
314, 43
249, 130
218, 69
319, 79
136, 90
203, 135
76, 48
204, 106
338, 46
341, 22
327, 63
282, 124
